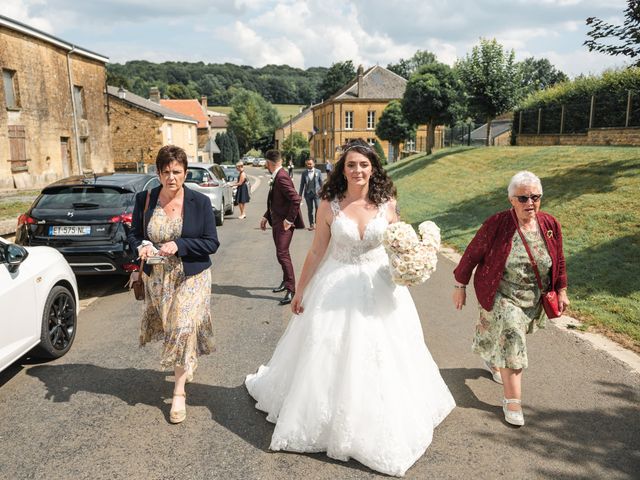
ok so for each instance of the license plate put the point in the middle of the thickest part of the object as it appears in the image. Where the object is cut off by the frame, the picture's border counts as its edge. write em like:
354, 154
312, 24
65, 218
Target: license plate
69, 230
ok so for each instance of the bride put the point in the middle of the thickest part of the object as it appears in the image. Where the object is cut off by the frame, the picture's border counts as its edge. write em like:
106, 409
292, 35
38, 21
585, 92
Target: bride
352, 375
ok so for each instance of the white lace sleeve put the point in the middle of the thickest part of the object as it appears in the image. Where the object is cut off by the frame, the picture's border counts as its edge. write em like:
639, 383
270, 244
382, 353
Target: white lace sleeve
335, 207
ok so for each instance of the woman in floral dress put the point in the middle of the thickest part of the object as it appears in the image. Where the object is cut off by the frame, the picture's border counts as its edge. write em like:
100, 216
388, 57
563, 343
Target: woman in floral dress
506, 285
174, 230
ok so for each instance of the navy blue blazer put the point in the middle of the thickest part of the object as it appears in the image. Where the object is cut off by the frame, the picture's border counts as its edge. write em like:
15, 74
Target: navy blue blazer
198, 239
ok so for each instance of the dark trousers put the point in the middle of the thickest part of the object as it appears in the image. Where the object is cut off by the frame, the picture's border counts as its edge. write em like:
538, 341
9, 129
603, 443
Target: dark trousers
282, 239
312, 207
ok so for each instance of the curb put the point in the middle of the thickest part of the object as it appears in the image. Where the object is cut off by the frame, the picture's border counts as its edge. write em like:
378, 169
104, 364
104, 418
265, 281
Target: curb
576, 327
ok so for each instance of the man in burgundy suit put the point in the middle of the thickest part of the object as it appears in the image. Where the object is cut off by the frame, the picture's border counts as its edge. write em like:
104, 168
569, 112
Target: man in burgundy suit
283, 214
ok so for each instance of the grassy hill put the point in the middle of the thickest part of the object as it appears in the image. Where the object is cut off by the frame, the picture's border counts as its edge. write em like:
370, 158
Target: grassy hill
593, 191
284, 110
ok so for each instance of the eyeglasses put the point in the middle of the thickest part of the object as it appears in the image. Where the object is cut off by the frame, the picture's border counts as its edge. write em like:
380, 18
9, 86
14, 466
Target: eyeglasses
525, 198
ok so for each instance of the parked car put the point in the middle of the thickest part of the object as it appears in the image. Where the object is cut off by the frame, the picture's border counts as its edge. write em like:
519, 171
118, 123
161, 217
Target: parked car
232, 175
262, 162
255, 162
209, 178
87, 219
39, 303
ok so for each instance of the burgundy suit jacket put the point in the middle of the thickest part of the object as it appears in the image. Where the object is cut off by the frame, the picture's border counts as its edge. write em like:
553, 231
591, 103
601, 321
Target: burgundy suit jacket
490, 248
283, 202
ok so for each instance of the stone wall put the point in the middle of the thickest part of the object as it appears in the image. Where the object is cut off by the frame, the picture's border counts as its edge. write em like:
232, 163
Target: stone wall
629, 136
45, 111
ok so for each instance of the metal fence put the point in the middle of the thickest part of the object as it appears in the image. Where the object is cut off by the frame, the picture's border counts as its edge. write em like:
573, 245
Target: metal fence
460, 134
601, 111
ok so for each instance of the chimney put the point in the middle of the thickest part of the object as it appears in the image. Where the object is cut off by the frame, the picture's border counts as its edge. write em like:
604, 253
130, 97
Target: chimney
154, 94
360, 74
122, 93
203, 102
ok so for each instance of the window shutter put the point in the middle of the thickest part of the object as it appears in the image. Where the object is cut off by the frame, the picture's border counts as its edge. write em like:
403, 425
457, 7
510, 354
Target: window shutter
18, 148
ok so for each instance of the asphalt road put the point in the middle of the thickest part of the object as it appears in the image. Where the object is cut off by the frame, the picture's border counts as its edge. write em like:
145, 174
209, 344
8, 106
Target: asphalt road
101, 412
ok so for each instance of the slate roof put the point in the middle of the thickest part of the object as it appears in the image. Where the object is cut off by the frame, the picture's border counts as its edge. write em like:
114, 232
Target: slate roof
218, 121
378, 83
151, 107
189, 107
498, 127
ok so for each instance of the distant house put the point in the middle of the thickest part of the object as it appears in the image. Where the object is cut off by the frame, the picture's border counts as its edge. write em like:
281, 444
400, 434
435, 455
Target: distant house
302, 122
53, 120
197, 110
139, 127
217, 122
354, 111
500, 133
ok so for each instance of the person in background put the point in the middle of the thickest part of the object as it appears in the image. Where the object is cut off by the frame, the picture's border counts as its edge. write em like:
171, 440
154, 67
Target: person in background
506, 285
290, 168
242, 192
310, 185
175, 226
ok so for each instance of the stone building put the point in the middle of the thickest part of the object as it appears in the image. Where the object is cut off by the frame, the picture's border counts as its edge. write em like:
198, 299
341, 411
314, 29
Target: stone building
197, 110
139, 127
217, 122
354, 110
53, 115
302, 122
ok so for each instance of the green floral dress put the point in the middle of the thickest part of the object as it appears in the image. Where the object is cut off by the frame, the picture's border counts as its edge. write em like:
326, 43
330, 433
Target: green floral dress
517, 309
177, 308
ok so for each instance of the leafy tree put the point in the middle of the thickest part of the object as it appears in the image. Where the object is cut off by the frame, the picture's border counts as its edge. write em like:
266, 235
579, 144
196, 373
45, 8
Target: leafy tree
380, 151
293, 145
252, 119
393, 127
406, 68
491, 81
336, 77
538, 74
118, 80
180, 91
429, 98
625, 36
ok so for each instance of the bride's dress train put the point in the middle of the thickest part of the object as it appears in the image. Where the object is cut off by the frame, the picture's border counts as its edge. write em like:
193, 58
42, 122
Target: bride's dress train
352, 375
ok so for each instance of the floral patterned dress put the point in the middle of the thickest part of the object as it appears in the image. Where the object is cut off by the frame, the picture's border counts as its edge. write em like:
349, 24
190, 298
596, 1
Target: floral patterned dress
177, 308
517, 310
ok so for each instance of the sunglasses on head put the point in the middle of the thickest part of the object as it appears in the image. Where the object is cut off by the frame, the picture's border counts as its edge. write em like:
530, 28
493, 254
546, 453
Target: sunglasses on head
525, 198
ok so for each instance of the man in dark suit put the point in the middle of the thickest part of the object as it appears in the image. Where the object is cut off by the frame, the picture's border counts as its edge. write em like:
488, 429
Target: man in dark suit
310, 185
283, 214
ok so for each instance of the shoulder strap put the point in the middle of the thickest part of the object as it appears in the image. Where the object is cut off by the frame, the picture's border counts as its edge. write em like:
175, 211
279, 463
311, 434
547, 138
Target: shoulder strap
526, 247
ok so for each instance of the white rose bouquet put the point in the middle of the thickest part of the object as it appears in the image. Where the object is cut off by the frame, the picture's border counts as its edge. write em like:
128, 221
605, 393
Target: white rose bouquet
412, 259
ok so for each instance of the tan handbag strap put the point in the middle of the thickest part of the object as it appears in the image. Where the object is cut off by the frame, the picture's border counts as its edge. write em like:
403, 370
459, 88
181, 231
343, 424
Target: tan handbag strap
144, 225
526, 247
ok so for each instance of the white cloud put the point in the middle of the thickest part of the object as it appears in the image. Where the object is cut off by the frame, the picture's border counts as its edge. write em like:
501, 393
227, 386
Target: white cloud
20, 10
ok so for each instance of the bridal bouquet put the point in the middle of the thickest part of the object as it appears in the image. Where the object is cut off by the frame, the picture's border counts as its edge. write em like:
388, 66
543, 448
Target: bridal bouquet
412, 259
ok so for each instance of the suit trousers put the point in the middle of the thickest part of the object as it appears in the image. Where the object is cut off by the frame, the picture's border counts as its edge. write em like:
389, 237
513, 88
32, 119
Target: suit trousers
282, 239
312, 207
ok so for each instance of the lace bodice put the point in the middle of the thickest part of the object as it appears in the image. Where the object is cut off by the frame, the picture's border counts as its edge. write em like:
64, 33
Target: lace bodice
346, 246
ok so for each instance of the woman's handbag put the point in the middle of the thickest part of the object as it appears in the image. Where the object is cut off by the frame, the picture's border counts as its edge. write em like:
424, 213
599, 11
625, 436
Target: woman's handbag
549, 299
135, 279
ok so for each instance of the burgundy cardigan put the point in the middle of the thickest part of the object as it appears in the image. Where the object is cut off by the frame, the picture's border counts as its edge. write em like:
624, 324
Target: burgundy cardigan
490, 248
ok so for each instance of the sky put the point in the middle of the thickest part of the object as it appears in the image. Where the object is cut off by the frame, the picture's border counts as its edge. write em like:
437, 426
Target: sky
315, 33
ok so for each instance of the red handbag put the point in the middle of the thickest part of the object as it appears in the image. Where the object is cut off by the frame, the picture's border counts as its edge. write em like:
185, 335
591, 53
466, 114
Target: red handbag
549, 299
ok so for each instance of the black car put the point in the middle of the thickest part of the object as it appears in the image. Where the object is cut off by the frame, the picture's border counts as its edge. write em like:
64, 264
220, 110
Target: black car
87, 219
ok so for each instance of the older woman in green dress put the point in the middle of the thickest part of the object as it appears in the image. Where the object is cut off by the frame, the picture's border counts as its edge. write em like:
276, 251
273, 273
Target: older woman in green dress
506, 285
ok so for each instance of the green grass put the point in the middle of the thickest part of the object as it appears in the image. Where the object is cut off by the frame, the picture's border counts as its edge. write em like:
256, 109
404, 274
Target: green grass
593, 191
284, 110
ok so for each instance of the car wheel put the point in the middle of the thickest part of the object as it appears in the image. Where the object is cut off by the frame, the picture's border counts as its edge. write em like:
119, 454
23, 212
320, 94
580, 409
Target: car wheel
59, 322
219, 217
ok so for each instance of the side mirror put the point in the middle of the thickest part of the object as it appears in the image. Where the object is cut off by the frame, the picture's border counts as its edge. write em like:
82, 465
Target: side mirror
13, 255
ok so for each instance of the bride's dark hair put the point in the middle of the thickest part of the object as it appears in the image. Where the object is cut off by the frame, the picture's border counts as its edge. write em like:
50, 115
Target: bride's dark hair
381, 188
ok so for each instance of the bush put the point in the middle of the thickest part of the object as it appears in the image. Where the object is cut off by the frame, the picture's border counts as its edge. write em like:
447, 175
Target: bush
378, 148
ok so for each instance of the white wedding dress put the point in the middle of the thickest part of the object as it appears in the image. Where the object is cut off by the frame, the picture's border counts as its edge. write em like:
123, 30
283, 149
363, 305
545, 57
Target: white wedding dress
352, 375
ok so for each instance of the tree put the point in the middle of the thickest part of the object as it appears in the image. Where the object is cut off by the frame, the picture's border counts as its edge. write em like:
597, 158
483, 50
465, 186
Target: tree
490, 78
537, 74
429, 98
394, 127
252, 119
293, 145
626, 36
336, 77
235, 150
406, 68
380, 151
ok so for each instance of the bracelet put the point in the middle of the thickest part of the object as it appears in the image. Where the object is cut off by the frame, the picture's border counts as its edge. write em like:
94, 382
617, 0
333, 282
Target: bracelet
461, 287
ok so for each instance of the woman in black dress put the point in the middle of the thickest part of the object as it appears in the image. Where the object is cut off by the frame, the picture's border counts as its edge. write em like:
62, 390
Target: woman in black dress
242, 192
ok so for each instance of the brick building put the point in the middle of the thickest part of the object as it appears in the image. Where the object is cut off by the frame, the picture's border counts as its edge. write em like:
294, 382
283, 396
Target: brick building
53, 116
354, 110
139, 127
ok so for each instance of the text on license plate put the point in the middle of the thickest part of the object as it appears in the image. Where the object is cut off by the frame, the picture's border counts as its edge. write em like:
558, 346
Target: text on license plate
69, 230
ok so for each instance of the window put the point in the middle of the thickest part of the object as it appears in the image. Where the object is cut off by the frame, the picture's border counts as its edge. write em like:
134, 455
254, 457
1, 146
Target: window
348, 120
169, 134
78, 99
371, 119
371, 141
410, 145
11, 93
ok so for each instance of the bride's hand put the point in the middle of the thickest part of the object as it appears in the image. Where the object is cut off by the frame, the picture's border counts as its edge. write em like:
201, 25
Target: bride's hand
296, 304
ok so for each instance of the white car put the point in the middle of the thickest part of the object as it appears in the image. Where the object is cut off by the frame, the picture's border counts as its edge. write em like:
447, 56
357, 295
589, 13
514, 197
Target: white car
38, 303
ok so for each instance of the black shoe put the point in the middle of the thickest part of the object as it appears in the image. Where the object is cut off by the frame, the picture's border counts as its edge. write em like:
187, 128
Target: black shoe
287, 298
279, 289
